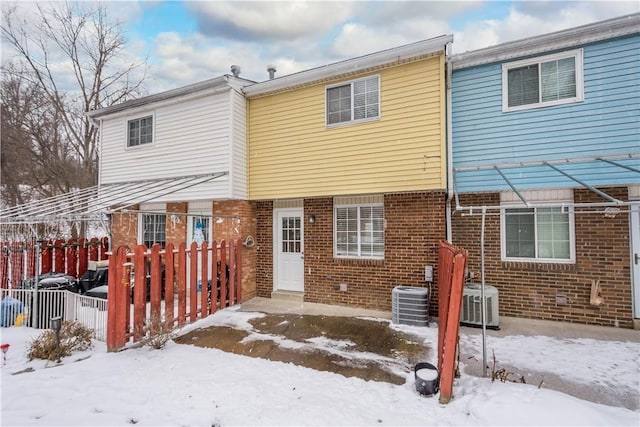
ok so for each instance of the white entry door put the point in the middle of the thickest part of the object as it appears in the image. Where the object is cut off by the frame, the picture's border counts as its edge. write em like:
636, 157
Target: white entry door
635, 257
289, 250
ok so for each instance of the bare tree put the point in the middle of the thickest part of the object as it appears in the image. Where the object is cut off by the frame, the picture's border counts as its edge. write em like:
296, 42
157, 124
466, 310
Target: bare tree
35, 153
75, 59
17, 158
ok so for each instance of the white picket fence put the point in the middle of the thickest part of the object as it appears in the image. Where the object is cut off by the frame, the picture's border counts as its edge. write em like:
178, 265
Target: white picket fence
24, 307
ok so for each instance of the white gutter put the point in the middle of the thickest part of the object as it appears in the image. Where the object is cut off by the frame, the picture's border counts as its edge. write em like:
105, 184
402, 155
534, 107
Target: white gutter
207, 87
358, 64
585, 34
99, 149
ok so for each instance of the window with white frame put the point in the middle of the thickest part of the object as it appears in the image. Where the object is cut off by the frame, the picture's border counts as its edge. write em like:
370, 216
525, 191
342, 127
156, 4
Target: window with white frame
540, 234
359, 230
353, 101
543, 81
153, 229
200, 230
140, 131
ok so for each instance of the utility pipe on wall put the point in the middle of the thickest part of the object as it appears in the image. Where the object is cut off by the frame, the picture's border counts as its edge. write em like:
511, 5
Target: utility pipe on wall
449, 127
482, 302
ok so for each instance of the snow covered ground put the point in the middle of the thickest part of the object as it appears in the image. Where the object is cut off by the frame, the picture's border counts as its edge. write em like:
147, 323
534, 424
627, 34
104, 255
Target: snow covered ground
183, 385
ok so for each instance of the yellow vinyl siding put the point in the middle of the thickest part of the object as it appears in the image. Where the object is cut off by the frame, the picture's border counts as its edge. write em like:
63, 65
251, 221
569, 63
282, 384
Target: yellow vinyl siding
292, 153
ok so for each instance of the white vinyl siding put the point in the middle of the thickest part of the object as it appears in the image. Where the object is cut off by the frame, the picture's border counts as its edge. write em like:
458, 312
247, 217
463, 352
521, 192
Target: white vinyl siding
238, 146
353, 101
193, 136
359, 231
543, 81
540, 234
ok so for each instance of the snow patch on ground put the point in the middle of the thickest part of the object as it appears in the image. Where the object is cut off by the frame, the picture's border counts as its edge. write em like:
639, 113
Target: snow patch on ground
189, 385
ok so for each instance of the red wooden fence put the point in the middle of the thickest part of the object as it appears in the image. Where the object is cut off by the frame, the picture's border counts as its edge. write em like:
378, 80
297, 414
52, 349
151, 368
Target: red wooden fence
166, 286
451, 264
18, 259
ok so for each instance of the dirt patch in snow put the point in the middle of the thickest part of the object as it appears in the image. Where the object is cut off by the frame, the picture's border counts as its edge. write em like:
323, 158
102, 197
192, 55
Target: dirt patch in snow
353, 347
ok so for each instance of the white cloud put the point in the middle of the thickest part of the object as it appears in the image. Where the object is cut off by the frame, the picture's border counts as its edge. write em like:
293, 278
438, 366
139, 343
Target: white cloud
268, 20
357, 39
296, 36
527, 19
182, 60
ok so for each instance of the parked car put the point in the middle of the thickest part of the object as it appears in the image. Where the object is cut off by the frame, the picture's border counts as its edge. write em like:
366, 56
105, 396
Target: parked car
95, 283
52, 304
95, 276
52, 281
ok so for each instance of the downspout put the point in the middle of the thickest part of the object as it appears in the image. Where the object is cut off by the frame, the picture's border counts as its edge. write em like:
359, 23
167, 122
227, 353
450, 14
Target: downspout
483, 304
450, 193
98, 124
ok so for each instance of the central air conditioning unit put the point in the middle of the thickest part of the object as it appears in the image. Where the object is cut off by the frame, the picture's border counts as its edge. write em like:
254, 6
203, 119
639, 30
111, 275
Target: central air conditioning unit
410, 306
471, 313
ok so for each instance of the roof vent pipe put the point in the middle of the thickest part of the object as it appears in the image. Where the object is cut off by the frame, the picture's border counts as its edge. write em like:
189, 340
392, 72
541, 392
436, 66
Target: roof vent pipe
272, 71
235, 70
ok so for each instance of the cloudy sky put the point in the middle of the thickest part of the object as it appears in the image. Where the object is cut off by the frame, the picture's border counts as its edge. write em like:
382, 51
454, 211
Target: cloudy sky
190, 41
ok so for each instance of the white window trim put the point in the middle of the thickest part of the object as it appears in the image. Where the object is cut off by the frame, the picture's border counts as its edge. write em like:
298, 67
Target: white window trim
149, 208
578, 54
352, 121
153, 131
555, 204
335, 230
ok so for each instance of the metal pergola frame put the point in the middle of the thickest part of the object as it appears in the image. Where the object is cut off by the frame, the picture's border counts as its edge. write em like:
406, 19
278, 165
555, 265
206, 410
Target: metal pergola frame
553, 165
89, 205
610, 205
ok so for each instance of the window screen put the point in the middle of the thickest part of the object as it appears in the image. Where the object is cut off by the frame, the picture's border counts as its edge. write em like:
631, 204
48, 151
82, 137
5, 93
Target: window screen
357, 100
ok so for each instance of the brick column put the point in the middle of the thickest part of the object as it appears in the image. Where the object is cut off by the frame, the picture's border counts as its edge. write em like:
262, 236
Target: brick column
124, 229
236, 219
176, 223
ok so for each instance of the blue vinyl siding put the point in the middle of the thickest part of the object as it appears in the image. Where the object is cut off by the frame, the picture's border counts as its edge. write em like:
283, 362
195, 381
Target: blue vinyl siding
606, 123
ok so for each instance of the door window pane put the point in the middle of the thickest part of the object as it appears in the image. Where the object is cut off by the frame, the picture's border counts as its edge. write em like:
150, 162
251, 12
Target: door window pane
291, 234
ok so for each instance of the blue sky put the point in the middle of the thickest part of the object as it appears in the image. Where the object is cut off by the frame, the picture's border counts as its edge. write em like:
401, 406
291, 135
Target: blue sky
162, 17
188, 42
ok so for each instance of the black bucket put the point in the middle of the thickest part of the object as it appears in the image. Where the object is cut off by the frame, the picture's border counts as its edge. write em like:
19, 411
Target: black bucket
427, 379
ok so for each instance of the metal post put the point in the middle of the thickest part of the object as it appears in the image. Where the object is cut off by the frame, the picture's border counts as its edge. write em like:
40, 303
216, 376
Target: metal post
56, 325
34, 307
484, 308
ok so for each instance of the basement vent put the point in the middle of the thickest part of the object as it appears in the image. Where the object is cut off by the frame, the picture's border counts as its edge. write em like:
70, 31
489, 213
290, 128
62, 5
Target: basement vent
410, 306
471, 314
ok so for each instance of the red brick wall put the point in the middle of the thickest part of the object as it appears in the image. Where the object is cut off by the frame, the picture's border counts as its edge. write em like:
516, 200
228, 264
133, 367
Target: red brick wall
415, 225
557, 291
232, 219
176, 223
124, 229
236, 219
264, 248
